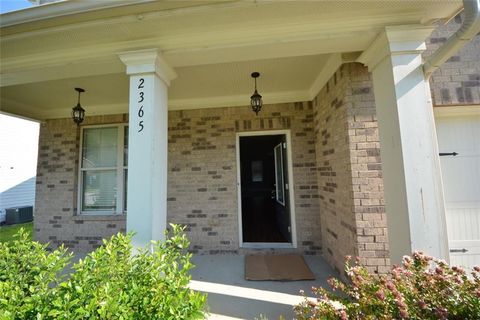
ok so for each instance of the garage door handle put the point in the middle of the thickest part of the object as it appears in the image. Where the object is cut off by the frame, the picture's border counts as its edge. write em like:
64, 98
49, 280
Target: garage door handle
459, 250
441, 154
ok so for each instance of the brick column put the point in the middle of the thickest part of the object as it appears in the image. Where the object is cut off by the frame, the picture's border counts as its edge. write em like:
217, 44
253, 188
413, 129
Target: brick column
150, 77
408, 143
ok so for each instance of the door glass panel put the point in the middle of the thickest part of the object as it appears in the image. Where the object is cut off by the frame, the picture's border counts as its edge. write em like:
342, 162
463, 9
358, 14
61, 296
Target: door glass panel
257, 171
279, 182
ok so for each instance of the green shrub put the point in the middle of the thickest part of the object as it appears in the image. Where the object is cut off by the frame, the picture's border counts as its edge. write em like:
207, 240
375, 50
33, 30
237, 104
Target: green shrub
28, 272
110, 283
423, 288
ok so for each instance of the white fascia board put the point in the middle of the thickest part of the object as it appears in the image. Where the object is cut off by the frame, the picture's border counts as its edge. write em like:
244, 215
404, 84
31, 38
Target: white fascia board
20, 110
60, 8
20, 117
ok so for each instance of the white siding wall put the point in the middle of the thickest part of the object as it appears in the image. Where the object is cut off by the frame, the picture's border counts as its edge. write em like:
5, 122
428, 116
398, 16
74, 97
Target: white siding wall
18, 162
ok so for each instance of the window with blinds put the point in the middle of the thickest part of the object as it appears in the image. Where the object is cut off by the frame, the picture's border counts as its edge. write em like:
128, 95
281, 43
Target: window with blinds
103, 169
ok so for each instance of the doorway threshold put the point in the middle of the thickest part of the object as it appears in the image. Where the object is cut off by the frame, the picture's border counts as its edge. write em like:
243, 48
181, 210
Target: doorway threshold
267, 245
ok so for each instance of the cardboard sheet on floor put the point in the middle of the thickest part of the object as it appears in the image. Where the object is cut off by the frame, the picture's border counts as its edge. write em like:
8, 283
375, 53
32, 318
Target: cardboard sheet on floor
287, 267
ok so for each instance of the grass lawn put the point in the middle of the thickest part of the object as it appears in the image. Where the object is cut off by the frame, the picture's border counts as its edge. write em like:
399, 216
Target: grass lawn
7, 232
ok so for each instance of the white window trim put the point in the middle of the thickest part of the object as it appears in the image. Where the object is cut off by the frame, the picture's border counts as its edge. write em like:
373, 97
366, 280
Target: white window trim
120, 169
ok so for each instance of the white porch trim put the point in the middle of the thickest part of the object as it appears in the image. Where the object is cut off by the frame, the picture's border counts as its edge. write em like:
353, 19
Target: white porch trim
291, 188
408, 143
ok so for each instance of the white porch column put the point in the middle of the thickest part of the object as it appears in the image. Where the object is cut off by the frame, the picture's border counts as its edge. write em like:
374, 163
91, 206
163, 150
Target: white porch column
150, 77
408, 143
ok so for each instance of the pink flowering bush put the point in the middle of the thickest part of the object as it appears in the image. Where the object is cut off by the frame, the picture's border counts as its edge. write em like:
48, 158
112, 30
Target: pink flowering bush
422, 288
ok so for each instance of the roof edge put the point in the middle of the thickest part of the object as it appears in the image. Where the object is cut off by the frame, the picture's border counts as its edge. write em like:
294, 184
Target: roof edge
60, 8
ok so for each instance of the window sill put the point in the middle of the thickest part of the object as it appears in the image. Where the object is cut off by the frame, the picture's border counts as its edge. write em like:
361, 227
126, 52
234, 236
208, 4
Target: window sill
100, 217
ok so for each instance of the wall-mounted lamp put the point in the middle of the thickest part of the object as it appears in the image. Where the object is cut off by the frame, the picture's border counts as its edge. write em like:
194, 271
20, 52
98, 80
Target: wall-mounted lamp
256, 99
78, 113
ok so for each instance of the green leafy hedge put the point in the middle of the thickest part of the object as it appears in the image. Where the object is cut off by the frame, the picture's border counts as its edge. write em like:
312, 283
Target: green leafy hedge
110, 283
422, 288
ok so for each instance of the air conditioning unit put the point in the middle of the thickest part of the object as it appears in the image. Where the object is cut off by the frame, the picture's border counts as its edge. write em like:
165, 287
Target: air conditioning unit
2, 216
19, 215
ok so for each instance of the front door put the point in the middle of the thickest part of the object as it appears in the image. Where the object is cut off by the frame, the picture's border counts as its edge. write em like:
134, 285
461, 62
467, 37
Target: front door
264, 189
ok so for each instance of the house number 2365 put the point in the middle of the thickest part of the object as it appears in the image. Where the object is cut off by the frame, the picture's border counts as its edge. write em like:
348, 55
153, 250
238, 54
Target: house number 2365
141, 98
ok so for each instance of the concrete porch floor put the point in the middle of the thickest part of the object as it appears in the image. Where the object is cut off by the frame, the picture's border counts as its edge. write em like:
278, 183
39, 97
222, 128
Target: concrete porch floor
230, 296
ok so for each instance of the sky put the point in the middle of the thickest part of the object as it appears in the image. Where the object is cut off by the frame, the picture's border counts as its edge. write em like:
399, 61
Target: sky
12, 5
18, 150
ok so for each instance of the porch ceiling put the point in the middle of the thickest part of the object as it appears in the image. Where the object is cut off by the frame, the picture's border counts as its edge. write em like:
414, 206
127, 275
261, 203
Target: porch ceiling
213, 46
281, 80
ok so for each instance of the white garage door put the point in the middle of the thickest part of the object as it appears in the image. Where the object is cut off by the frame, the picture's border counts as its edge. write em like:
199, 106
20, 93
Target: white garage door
461, 180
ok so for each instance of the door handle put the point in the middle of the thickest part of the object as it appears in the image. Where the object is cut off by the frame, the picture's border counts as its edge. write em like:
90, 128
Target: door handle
459, 250
442, 154
273, 194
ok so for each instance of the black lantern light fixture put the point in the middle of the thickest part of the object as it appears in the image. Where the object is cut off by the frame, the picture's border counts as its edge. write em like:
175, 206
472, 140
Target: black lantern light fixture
78, 113
256, 99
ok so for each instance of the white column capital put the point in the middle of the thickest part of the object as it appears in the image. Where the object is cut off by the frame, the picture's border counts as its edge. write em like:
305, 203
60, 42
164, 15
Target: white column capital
395, 40
147, 61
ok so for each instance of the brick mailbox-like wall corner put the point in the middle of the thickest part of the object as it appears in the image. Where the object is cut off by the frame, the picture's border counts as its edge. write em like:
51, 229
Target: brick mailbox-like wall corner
349, 171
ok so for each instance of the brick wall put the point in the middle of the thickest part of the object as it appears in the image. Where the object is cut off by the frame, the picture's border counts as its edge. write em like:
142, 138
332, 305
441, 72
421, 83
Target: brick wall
457, 82
202, 190
55, 203
352, 211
